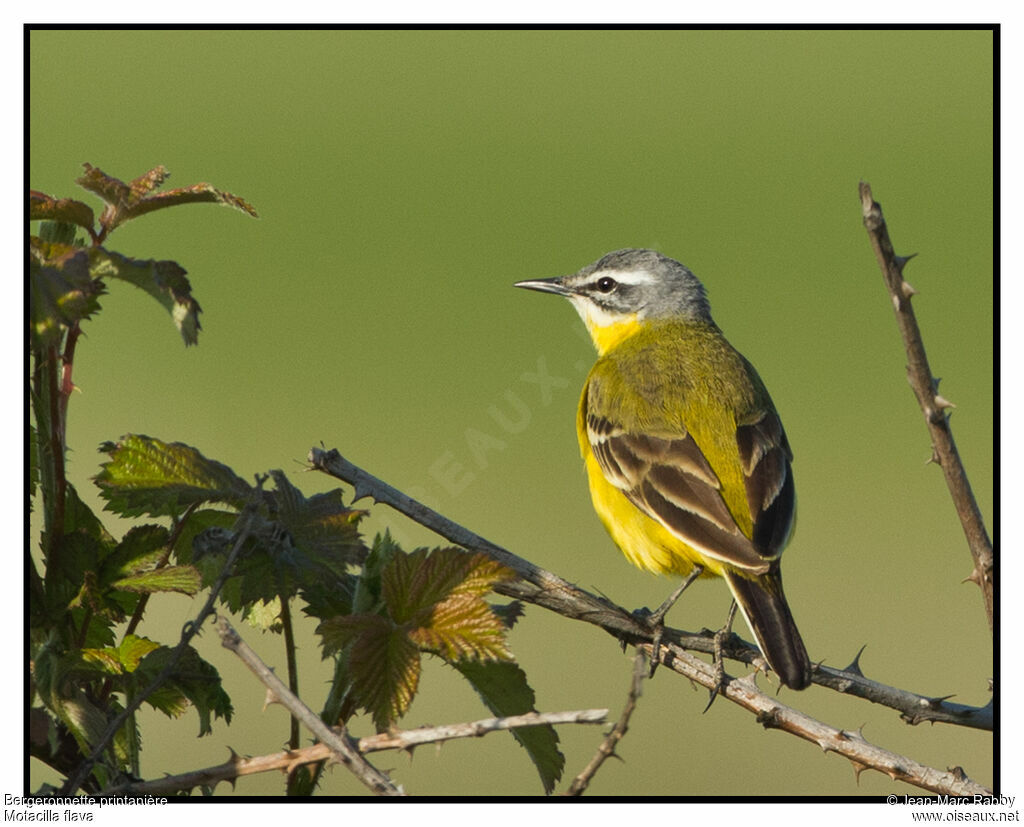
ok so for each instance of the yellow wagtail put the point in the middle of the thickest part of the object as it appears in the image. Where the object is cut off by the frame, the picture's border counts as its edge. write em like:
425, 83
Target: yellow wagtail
688, 465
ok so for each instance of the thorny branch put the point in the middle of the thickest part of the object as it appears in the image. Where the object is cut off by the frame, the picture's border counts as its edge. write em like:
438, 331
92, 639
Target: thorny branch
342, 747
552, 592
243, 529
286, 761
933, 405
607, 747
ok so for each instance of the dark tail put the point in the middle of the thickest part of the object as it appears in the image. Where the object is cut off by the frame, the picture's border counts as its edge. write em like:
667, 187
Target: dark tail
767, 614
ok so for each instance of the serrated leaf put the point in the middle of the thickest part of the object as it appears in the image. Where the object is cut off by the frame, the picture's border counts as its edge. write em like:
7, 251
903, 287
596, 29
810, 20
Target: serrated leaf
367, 595
107, 187
62, 291
202, 193
59, 232
141, 549
413, 584
147, 476
193, 679
124, 658
43, 207
384, 664
79, 517
130, 201
200, 521
503, 688
321, 526
182, 579
463, 626
509, 613
165, 281
83, 719
149, 181
264, 615
329, 599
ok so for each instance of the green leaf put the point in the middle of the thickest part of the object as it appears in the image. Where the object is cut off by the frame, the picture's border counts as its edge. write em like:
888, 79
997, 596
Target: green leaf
79, 517
367, 597
62, 291
182, 579
141, 549
58, 691
60, 232
147, 476
121, 659
165, 281
264, 615
508, 613
504, 690
197, 524
33, 463
321, 526
193, 680
384, 663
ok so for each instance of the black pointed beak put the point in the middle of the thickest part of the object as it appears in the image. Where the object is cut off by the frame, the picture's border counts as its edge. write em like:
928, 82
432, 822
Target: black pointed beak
554, 285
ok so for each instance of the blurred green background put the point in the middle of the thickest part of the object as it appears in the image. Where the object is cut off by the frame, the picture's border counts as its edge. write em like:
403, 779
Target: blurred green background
404, 180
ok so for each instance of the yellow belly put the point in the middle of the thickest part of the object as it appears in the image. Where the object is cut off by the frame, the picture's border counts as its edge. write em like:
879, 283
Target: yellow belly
645, 542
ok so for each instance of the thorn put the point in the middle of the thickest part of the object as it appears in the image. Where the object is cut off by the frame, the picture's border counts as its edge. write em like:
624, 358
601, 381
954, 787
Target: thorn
973, 577
825, 747
359, 492
933, 458
958, 773
942, 403
855, 663
936, 703
907, 289
858, 768
901, 261
269, 698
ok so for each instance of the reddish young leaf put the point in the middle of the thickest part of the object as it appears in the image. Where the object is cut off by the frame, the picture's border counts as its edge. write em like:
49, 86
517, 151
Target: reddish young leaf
43, 207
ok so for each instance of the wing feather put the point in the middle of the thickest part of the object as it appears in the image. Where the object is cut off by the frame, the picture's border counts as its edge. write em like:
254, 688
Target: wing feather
669, 479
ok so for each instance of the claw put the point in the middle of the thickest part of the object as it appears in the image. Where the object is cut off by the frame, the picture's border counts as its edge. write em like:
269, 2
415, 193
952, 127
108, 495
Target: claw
717, 660
656, 620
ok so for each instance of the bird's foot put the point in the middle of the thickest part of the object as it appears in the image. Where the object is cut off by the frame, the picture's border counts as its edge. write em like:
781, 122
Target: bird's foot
717, 658
655, 620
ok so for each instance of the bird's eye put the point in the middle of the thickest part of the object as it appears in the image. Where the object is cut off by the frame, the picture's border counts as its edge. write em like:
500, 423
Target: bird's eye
606, 284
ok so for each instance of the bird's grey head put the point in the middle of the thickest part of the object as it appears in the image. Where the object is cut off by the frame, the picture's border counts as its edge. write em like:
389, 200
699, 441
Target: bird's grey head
630, 282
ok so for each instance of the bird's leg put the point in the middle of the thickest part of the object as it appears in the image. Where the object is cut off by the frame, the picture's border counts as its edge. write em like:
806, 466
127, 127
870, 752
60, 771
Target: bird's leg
656, 619
717, 659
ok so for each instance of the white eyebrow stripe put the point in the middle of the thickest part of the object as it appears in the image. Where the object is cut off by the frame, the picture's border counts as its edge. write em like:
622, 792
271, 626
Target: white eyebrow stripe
626, 276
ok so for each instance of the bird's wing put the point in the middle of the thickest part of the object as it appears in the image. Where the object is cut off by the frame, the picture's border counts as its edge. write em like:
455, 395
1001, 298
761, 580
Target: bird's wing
768, 477
668, 477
